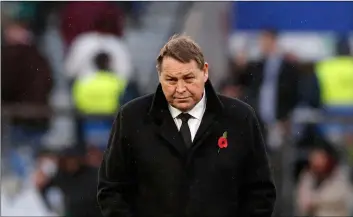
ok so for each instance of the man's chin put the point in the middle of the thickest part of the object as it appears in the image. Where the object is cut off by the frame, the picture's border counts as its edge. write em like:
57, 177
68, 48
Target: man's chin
183, 105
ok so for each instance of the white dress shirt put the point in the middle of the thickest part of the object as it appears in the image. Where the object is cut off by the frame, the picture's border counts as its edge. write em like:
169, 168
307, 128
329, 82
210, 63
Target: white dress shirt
196, 116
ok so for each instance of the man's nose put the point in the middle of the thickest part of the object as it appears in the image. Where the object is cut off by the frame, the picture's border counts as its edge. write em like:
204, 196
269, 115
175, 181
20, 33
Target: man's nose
180, 87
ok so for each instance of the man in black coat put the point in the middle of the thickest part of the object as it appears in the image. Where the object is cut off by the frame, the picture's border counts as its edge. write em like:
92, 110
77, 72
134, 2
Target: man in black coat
271, 85
184, 150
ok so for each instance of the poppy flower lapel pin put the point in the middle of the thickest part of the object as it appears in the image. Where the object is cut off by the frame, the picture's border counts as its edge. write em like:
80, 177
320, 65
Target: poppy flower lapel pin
222, 141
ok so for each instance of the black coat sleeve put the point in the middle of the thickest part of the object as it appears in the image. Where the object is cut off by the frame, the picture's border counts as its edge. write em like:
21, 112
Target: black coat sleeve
116, 182
257, 192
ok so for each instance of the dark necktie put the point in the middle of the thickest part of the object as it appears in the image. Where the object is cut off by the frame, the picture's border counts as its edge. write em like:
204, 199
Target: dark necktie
184, 129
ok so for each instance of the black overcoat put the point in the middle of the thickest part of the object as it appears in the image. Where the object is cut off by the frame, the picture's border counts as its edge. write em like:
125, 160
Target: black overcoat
147, 170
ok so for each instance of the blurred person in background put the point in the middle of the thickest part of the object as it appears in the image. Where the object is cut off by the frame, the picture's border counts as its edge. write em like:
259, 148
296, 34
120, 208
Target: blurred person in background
232, 85
336, 81
99, 93
335, 77
97, 28
26, 83
33, 13
270, 85
96, 98
324, 188
21, 63
79, 60
309, 98
75, 176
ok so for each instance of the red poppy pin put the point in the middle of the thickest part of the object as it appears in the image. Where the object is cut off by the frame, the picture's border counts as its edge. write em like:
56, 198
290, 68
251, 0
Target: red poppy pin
222, 141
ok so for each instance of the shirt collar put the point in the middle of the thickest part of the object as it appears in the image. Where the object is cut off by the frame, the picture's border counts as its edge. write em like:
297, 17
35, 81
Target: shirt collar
196, 112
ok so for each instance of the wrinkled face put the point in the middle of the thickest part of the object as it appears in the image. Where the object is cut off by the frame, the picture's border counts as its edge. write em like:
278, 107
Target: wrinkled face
182, 83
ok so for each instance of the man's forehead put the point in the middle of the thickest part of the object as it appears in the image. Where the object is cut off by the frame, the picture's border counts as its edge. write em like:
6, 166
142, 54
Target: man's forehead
169, 62
178, 73
179, 69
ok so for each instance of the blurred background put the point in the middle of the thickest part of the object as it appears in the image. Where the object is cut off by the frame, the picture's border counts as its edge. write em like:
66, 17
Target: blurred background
66, 67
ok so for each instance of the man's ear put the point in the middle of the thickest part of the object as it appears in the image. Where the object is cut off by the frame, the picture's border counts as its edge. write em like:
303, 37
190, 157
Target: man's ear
159, 75
205, 71
158, 71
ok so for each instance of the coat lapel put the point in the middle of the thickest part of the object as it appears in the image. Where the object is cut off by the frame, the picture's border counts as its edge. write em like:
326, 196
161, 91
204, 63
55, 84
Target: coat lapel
169, 132
214, 109
166, 127
206, 123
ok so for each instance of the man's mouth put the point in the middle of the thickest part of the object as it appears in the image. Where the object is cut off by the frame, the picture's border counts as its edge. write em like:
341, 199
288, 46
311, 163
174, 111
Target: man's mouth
181, 98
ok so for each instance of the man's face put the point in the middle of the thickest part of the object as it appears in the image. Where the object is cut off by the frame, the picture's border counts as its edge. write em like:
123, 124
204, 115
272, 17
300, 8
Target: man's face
182, 83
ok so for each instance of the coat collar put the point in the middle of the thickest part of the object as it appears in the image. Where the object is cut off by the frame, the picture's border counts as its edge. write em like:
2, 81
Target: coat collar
166, 127
196, 112
159, 104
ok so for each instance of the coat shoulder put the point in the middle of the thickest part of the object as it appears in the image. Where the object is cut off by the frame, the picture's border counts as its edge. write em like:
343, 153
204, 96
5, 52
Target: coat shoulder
138, 106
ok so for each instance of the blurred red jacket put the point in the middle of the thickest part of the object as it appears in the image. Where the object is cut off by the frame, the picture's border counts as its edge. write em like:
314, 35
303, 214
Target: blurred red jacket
81, 17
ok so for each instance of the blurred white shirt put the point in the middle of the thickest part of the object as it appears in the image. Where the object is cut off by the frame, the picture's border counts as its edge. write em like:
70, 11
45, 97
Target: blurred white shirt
79, 60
